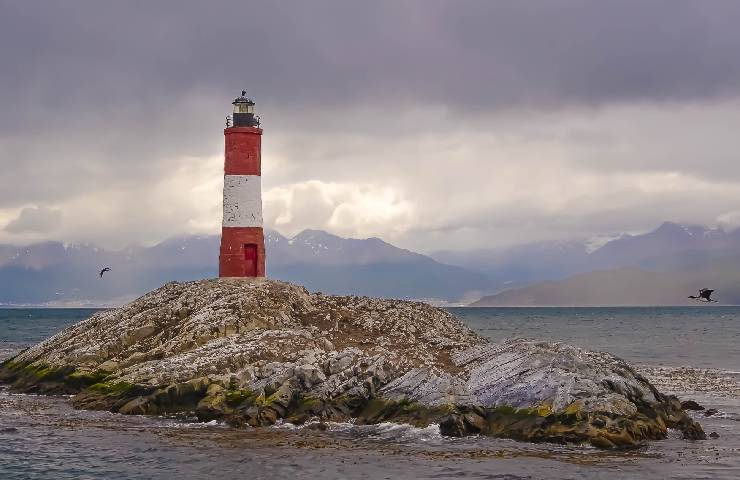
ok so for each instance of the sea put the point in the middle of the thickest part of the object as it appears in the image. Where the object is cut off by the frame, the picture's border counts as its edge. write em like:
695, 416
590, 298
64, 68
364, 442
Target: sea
692, 352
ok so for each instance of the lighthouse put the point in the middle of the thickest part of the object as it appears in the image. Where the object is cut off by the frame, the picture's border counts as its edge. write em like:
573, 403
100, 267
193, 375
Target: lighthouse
242, 252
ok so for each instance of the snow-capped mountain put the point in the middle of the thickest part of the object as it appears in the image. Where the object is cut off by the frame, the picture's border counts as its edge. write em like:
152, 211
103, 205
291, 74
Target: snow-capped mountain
68, 274
662, 244
660, 267
318, 246
669, 246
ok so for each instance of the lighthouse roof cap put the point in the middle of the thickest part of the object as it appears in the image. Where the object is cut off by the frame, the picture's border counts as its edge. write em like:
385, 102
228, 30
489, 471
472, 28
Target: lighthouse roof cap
243, 99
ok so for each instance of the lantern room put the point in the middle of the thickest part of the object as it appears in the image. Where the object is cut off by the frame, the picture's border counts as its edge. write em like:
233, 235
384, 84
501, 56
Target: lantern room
244, 112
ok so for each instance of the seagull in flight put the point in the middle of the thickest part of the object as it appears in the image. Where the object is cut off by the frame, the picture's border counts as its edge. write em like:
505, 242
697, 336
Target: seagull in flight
705, 295
106, 269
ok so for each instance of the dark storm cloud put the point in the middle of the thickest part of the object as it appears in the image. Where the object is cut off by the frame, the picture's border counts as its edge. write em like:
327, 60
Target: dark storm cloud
156, 70
101, 101
122, 59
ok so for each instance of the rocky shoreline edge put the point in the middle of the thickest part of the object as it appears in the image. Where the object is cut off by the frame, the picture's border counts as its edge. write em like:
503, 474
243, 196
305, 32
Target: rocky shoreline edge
252, 352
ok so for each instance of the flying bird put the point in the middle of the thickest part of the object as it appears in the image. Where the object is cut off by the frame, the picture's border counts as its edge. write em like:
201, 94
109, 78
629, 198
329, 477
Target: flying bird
106, 269
705, 295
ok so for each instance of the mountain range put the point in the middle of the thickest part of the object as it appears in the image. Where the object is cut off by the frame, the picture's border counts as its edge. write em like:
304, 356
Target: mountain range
53, 273
670, 246
659, 267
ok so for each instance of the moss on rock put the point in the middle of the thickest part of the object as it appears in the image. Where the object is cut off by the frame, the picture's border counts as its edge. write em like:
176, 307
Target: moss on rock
42, 378
241, 396
113, 387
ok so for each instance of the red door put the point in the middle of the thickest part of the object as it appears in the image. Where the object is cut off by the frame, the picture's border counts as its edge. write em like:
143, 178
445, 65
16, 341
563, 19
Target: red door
250, 259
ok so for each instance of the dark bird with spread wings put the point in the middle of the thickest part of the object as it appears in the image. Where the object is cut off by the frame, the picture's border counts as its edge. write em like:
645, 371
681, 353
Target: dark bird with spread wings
106, 269
705, 295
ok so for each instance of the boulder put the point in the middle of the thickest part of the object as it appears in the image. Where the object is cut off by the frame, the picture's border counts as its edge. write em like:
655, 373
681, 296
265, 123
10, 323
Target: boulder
254, 351
691, 405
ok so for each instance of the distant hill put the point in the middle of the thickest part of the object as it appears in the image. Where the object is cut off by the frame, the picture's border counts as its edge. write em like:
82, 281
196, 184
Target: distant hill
671, 259
669, 247
522, 264
628, 286
67, 274
332, 264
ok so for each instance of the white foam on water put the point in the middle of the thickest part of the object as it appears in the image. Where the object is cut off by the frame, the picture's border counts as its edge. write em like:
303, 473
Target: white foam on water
395, 432
212, 423
331, 426
283, 425
401, 432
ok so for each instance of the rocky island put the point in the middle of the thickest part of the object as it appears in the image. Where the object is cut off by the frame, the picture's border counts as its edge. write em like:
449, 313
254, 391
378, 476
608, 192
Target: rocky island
257, 351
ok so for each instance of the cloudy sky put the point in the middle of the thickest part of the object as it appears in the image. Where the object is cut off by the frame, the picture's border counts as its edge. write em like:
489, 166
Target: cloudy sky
432, 124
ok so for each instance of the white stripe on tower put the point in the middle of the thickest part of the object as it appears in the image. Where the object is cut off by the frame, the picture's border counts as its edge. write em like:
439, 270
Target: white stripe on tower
242, 201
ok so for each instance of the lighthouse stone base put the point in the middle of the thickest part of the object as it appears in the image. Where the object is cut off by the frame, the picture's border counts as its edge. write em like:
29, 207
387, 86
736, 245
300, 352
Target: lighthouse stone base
253, 351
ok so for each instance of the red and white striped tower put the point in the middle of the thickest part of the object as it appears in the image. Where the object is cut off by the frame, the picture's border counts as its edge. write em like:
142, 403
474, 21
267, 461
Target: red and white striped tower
242, 251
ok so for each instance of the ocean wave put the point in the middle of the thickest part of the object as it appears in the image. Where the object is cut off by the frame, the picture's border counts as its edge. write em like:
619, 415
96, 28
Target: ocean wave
401, 432
386, 431
182, 424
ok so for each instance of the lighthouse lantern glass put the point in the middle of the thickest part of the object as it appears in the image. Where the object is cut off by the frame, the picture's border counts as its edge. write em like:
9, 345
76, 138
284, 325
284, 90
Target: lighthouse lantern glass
243, 108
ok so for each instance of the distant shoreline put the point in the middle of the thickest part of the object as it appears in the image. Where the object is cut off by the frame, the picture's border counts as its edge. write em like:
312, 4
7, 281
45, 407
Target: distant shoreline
445, 307
596, 306
50, 307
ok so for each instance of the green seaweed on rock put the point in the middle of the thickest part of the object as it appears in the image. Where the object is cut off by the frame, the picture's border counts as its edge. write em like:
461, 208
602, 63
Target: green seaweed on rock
237, 397
35, 377
113, 388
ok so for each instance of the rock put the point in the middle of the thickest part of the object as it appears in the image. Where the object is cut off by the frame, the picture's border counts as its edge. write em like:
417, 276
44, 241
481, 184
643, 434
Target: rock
138, 406
309, 375
109, 365
474, 422
710, 411
601, 442
692, 431
343, 360
255, 351
213, 406
281, 399
321, 426
453, 426
714, 435
691, 405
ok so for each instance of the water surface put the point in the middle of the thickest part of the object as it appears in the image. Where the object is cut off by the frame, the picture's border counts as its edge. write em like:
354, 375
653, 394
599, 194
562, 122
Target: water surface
691, 351
699, 336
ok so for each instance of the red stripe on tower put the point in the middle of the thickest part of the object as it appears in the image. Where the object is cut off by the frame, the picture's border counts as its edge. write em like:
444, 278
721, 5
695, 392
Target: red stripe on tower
242, 251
